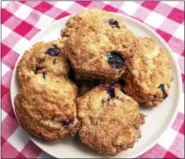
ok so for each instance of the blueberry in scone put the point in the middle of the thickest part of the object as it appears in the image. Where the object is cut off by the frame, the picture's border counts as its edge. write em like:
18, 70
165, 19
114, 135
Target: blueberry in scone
148, 75
42, 58
110, 120
46, 107
97, 44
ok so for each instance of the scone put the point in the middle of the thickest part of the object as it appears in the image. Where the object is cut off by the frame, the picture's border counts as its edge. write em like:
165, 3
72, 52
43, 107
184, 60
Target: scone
148, 74
110, 120
97, 44
46, 107
42, 58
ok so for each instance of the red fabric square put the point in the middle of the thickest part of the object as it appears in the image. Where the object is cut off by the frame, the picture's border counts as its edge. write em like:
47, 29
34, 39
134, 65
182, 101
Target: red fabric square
20, 155
2, 141
23, 28
176, 15
150, 4
4, 50
183, 54
63, 14
182, 76
84, 3
5, 15
43, 7
110, 8
164, 35
182, 129
170, 155
8, 151
4, 90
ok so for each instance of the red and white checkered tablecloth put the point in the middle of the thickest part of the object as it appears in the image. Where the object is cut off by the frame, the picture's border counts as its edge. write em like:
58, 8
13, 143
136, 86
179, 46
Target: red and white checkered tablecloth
22, 20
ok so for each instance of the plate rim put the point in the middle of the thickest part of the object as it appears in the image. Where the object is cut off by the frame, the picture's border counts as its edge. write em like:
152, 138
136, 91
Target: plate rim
146, 27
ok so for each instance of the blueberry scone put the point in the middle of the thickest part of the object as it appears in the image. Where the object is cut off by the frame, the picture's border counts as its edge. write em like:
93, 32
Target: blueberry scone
148, 74
42, 58
110, 120
46, 107
97, 44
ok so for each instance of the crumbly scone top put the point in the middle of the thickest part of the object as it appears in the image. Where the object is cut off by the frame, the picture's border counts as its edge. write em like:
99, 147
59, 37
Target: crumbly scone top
110, 120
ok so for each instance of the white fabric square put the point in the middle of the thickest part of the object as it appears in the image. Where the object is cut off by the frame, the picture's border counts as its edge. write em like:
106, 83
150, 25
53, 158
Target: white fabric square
5, 3
44, 21
130, 7
167, 138
19, 139
64, 5
155, 19
21, 46
180, 32
5, 31
5, 69
23, 12
175, 55
4, 114
171, 3
106, 2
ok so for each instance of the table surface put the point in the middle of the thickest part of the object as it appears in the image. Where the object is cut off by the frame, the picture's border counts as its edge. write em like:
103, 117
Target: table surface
22, 20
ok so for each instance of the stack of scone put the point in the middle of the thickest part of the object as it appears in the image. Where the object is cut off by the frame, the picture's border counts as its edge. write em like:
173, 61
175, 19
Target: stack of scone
91, 82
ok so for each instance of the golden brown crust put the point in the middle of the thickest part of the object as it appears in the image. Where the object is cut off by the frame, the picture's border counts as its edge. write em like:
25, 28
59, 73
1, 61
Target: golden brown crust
37, 57
148, 71
46, 107
109, 124
90, 38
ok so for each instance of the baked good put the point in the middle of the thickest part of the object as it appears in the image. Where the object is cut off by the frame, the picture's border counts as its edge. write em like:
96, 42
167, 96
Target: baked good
42, 58
46, 107
110, 120
148, 75
97, 44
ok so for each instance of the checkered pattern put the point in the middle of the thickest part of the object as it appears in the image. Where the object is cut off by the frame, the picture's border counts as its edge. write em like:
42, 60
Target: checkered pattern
22, 20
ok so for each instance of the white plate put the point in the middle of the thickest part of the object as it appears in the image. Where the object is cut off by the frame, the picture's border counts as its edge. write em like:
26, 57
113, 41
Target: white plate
157, 119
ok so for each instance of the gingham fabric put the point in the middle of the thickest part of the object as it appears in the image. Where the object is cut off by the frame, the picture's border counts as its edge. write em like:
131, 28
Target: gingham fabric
22, 20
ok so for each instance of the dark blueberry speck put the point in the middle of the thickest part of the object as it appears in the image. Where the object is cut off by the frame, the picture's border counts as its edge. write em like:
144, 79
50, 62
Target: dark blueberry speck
114, 23
55, 51
44, 75
38, 68
67, 123
161, 86
122, 82
54, 61
111, 91
115, 60
41, 60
